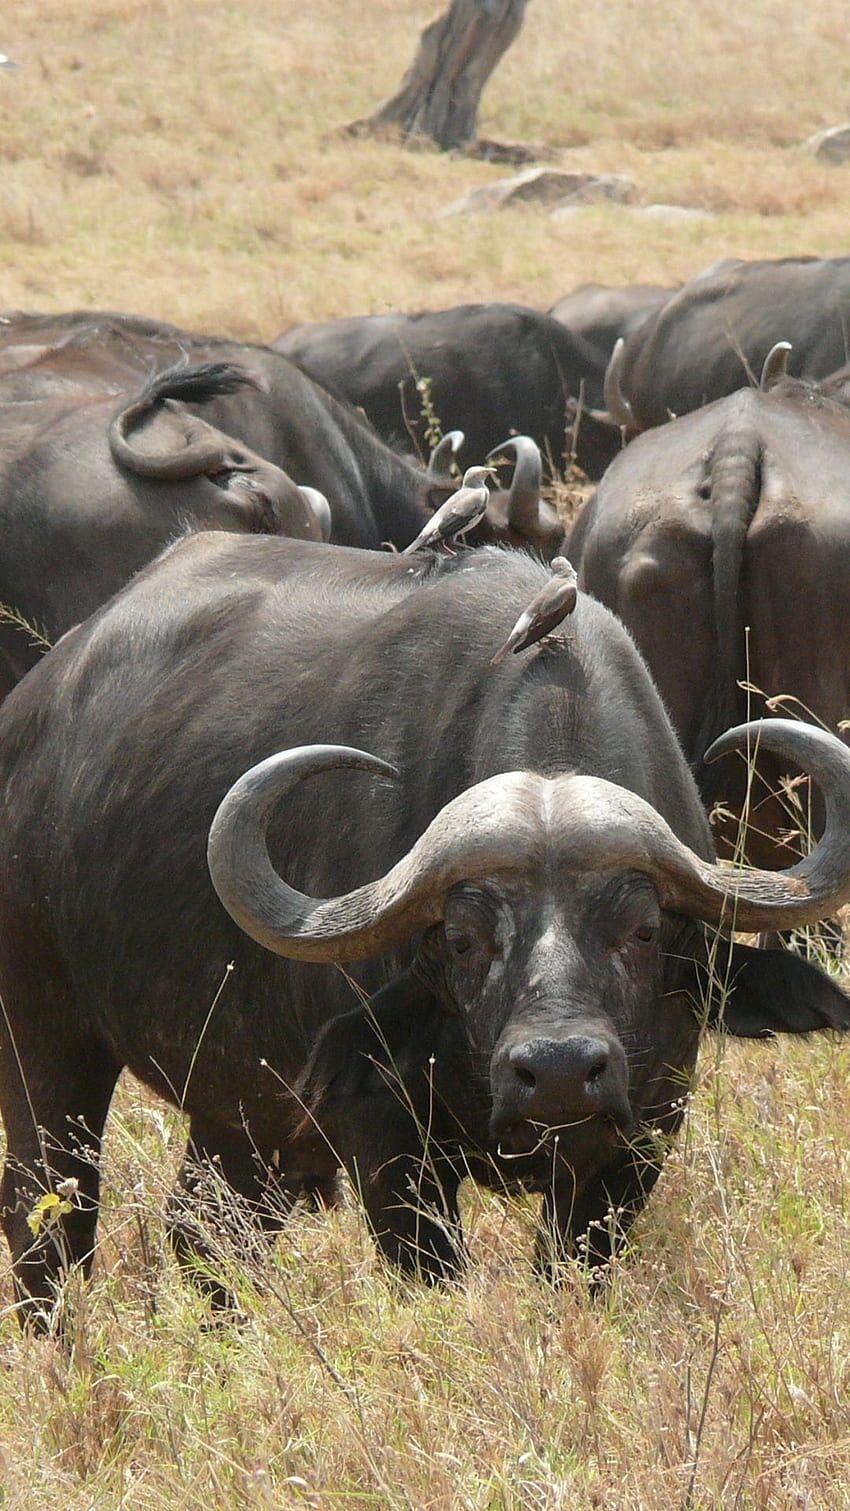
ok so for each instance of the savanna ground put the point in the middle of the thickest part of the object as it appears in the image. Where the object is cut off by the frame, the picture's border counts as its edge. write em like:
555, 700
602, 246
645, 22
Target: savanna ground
180, 158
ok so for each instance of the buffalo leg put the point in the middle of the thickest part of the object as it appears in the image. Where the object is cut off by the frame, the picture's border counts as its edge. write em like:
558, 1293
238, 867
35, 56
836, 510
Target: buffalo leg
412, 1211
227, 1198
594, 1225
55, 1095
372, 1089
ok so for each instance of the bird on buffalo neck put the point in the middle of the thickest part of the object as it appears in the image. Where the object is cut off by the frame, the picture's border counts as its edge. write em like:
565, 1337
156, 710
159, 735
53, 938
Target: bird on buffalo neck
556, 599
461, 512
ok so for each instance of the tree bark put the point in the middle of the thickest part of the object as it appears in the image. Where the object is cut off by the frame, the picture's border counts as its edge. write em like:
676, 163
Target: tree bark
440, 93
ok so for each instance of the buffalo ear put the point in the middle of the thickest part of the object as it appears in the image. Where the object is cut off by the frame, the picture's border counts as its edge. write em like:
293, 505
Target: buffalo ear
371, 1082
777, 992
345, 1058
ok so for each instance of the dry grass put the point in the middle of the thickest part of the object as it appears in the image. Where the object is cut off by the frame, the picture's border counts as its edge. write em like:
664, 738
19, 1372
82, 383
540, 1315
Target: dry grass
715, 1373
182, 160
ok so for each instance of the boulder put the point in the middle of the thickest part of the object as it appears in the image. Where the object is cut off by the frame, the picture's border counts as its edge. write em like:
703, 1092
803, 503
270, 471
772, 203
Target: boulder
543, 186
830, 146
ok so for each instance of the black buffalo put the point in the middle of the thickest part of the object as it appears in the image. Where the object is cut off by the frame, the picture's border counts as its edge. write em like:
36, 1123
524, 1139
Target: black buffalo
713, 335
87, 498
375, 495
531, 949
600, 313
492, 370
723, 544
85, 351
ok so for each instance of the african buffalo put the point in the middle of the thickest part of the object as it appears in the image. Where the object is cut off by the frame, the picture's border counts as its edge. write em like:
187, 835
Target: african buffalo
492, 370
52, 356
723, 544
714, 334
533, 949
376, 496
600, 313
88, 497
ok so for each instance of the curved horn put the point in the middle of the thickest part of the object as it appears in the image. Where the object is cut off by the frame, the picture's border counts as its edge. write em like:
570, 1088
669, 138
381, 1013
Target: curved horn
501, 825
320, 508
775, 364
618, 407
482, 830
444, 453
524, 493
753, 900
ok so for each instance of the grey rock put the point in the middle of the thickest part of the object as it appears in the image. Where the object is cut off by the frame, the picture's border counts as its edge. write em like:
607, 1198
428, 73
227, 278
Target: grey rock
543, 186
830, 146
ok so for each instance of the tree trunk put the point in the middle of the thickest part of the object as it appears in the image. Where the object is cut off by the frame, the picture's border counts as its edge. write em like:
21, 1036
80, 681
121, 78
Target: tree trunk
441, 90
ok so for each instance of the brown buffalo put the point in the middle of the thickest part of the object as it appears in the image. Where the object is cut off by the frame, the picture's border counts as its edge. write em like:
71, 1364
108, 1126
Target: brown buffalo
88, 496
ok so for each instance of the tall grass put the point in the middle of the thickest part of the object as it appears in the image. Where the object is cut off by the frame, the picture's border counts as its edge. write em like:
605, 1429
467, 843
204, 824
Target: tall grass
182, 160
714, 1372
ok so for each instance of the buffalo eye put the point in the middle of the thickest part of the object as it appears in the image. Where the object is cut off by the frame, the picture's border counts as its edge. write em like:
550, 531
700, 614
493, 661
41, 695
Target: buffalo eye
646, 933
471, 927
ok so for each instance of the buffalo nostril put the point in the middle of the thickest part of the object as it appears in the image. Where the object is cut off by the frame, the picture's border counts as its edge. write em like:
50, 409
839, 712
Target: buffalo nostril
561, 1083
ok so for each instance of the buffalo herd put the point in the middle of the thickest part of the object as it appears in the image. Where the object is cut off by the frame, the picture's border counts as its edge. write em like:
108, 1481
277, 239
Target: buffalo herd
260, 721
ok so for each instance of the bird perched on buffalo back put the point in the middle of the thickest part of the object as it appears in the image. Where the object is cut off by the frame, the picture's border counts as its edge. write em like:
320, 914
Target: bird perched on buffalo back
458, 514
556, 599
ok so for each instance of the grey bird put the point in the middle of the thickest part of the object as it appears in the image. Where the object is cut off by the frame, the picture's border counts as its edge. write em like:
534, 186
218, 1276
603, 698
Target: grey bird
458, 514
556, 599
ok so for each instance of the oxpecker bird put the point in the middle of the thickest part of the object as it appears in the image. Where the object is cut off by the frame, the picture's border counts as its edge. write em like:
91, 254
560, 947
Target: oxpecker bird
458, 514
556, 599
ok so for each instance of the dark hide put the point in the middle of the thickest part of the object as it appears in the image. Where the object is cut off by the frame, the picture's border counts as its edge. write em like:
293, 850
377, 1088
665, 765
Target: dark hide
712, 336
733, 520
600, 314
495, 370
114, 754
775, 992
76, 525
59, 356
